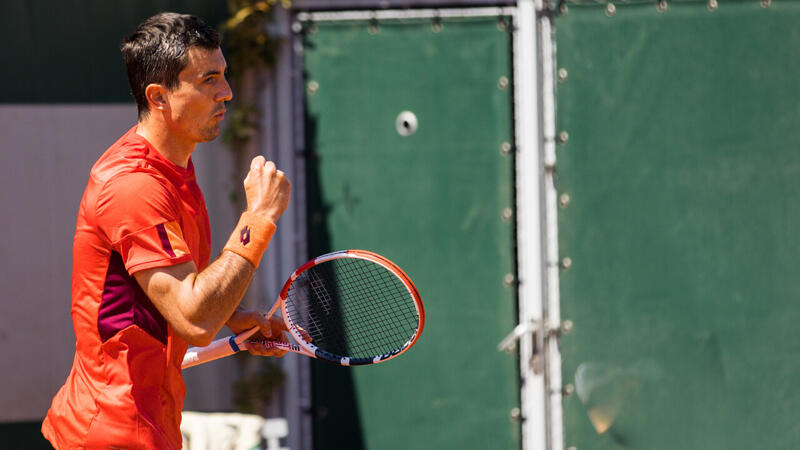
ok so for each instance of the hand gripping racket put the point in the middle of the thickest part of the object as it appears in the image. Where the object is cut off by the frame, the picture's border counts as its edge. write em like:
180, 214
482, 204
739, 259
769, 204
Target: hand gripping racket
357, 306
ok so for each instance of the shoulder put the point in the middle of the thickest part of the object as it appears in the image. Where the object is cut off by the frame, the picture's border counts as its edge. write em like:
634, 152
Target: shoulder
123, 172
141, 196
138, 182
127, 154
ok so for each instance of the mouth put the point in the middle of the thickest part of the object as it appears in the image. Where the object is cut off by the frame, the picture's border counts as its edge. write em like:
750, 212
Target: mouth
219, 115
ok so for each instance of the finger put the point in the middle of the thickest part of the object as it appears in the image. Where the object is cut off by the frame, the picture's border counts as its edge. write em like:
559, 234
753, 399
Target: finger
263, 348
256, 166
276, 351
257, 162
269, 166
278, 324
264, 324
250, 319
304, 333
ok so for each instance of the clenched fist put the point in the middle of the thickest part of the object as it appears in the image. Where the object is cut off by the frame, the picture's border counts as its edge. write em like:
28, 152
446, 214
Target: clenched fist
267, 189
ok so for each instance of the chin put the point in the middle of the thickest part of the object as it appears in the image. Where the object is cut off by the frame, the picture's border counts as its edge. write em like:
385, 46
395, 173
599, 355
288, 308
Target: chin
209, 135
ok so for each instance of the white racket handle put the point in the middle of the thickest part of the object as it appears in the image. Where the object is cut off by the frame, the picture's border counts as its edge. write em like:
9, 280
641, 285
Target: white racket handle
217, 349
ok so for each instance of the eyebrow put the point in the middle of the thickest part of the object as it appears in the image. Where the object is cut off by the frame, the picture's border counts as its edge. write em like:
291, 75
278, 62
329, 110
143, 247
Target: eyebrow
211, 72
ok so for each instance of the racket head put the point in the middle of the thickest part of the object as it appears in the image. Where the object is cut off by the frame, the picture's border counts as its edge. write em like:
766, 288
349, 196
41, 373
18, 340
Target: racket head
357, 306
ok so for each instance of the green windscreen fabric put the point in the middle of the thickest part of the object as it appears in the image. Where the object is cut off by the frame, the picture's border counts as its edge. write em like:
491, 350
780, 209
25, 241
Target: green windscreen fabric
433, 203
68, 51
682, 227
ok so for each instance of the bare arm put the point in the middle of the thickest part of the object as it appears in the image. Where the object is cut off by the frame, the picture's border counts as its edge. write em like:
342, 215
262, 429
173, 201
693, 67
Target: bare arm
197, 305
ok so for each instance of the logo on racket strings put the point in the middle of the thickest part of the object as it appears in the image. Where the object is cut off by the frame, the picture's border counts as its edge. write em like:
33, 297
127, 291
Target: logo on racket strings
244, 235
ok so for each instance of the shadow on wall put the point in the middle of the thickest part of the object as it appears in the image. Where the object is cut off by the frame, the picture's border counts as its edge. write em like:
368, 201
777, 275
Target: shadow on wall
335, 414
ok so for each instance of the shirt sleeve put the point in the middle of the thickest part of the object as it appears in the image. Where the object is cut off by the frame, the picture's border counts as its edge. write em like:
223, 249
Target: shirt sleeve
139, 213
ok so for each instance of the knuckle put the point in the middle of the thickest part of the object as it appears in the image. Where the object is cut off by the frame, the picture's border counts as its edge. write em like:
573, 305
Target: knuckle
257, 162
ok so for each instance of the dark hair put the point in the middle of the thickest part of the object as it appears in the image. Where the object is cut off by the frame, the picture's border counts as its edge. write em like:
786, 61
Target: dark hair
157, 51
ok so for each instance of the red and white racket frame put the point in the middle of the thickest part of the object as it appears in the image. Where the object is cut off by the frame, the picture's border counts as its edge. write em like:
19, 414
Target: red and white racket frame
233, 344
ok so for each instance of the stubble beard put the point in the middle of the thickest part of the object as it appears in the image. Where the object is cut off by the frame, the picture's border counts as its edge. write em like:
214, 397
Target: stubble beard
209, 133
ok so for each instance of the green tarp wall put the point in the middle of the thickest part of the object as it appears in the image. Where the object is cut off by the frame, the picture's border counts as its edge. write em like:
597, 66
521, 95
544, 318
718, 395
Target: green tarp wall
432, 202
683, 173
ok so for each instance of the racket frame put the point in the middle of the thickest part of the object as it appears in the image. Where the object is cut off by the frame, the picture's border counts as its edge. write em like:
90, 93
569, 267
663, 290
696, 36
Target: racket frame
315, 352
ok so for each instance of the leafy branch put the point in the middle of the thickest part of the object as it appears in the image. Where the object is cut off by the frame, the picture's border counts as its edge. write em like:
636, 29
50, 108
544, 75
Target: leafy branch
248, 46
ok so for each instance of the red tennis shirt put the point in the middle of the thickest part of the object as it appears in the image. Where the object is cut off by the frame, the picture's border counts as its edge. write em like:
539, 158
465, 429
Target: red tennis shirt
125, 389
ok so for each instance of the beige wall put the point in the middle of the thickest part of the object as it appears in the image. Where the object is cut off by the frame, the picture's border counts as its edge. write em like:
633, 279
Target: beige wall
45, 155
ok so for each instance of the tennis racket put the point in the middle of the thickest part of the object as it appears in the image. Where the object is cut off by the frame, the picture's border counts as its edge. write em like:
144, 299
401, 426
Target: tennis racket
356, 306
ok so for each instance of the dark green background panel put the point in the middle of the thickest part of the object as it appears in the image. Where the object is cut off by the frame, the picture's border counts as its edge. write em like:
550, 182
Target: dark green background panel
684, 178
24, 435
432, 202
68, 51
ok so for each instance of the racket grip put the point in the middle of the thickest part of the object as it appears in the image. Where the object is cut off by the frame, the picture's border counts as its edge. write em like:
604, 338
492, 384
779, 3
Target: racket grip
216, 350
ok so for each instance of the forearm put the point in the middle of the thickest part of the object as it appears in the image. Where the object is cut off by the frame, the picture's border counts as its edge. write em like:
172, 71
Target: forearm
216, 292
197, 304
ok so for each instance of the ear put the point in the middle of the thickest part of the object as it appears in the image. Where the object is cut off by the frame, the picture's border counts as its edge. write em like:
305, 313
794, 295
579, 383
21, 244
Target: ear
156, 96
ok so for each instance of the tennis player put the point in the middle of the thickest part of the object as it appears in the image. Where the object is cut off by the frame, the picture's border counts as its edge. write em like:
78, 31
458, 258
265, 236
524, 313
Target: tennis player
142, 286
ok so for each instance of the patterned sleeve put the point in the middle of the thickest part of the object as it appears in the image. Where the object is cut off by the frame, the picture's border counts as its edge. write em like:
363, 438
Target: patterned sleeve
139, 213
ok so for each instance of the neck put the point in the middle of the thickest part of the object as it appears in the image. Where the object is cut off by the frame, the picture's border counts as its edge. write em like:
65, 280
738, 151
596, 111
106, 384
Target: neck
169, 146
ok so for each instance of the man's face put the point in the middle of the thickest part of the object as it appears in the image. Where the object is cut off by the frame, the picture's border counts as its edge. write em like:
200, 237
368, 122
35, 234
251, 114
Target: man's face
197, 104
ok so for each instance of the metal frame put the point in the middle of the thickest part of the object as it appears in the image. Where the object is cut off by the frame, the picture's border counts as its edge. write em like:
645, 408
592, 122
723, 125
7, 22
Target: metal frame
552, 297
540, 358
399, 14
328, 5
529, 214
537, 225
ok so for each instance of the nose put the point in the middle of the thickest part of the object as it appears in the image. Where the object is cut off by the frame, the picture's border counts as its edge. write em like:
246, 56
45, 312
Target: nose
226, 94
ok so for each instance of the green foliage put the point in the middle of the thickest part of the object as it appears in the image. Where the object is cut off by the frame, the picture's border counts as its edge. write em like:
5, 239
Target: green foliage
247, 42
248, 45
242, 124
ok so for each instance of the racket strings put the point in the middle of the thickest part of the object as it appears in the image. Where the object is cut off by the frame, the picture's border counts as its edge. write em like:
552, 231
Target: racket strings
380, 322
353, 307
369, 326
356, 332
